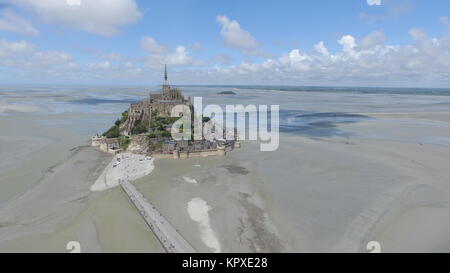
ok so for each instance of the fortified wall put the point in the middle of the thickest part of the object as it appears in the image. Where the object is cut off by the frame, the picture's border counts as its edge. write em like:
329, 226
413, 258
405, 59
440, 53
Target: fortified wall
107, 145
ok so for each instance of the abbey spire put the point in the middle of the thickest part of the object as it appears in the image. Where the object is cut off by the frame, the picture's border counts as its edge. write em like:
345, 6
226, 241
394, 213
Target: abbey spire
166, 86
165, 74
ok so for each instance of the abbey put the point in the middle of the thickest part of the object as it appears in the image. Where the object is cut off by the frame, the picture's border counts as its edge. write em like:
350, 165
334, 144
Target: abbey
158, 104
145, 129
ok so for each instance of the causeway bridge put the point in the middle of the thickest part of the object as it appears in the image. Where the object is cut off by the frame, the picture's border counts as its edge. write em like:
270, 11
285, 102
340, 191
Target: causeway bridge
168, 236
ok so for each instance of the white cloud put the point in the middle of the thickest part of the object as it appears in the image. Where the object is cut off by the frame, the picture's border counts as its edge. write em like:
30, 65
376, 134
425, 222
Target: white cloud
51, 58
375, 38
158, 55
102, 65
10, 50
179, 57
320, 48
110, 56
374, 2
150, 45
10, 21
294, 60
104, 17
22, 60
236, 37
348, 44
360, 61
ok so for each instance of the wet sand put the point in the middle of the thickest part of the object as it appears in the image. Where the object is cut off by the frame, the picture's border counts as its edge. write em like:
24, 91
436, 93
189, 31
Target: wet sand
54, 200
236, 211
314, 194
322, 194
362, 190
340, 196
28, 149
345, 188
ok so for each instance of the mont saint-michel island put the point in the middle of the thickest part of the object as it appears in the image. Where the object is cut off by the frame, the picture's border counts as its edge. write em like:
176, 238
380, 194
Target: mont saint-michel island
145, 128
143, 133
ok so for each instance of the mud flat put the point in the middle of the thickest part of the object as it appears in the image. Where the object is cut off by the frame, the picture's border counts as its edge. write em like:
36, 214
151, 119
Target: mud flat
343, 194
318, 194
216, 202
27, 150
53, 201
387, 181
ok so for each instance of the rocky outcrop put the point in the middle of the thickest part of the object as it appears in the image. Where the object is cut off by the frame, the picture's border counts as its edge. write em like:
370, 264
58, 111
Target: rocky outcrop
138, 145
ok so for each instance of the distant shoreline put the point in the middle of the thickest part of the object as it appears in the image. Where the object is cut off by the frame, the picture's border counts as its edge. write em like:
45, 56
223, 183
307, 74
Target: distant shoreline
355, 89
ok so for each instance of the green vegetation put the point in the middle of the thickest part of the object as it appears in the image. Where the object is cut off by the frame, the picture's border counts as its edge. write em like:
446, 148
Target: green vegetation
206, 119
113, 132
155, 129
159, 134
159, 121
123, 119
165, 134
140, 128
125, 142
158, 125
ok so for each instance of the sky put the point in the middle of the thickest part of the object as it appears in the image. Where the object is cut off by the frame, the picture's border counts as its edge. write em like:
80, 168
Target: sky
256, 42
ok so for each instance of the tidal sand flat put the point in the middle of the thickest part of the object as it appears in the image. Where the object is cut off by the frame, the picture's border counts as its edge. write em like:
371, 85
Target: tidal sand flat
419, 219
27, 150
224, 211
350, 169
344, 194
53, 201
347, 192
18, 108
43, 136
109, 223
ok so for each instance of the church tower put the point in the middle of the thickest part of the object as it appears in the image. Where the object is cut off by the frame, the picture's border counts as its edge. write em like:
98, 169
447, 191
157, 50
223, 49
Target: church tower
165, 74
166, 86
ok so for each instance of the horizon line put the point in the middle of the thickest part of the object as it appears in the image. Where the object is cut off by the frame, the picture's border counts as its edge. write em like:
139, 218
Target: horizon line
262, 86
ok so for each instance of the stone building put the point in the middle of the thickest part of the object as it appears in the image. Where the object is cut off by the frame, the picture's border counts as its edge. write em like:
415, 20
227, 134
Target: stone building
160, 104
107, 145
141, 114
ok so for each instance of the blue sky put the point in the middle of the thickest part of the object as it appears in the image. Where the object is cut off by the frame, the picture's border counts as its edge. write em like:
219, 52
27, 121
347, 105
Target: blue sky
293, 42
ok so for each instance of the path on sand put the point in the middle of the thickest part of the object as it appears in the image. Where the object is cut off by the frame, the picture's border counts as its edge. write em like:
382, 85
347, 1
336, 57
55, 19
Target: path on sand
170, 239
